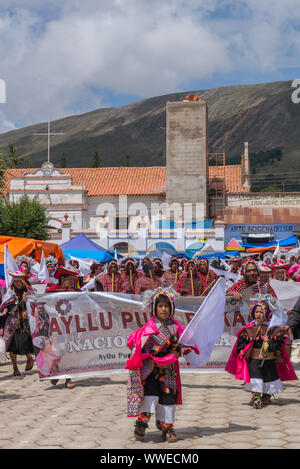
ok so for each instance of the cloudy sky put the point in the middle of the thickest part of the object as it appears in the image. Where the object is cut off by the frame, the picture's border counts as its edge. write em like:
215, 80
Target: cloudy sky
60, 58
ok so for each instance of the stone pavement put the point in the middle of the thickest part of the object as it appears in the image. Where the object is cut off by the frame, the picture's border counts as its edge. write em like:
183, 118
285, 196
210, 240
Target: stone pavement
215, 414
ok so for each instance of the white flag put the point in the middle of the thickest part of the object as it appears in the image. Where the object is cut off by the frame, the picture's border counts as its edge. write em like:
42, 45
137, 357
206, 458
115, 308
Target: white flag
225, 264
84, 264
165, 258
10, 265
43, 273
279, 317
207, 325
277, 251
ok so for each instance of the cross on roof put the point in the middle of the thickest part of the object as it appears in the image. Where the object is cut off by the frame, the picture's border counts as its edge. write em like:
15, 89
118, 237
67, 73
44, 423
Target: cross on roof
50, 134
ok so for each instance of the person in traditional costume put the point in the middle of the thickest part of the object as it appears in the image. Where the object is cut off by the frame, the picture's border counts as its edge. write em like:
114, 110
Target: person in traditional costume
145, 260
67, 282
14, 324
129, 276
122, 265
279, 272
208, 276
250, 282
183, 264
274, 260
138, 267
267, 260
235, 265
149, 281
294, 266
191, 283
158, 267
75, 265
265, 273
171, 277
154, 385
259, 357
25, 264
111, 281
95, 270
51, 264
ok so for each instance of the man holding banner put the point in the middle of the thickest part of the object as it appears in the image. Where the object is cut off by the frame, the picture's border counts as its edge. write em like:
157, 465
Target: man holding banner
67, 279
250, 282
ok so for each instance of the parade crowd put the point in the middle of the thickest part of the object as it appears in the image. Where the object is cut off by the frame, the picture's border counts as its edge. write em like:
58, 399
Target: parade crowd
259, 357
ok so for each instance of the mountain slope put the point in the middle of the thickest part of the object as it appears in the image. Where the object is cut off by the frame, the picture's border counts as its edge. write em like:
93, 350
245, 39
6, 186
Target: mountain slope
262, 114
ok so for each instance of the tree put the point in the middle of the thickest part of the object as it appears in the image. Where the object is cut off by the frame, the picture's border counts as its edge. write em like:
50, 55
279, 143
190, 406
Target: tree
127, 162
13, 161
25, 218
63, 160
96, 161
3, 167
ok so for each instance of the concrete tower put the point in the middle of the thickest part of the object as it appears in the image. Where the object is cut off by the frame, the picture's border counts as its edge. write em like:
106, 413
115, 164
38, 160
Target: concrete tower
186, 153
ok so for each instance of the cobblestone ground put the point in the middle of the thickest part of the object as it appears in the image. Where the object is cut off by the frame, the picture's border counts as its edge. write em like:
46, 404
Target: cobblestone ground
215, 414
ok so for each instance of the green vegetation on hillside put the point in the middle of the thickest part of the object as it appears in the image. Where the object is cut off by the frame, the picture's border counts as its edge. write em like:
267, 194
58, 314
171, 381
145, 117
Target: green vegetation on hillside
262, 115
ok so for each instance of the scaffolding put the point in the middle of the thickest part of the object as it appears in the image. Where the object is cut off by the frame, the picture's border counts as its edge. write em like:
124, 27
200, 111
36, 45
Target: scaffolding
216, 185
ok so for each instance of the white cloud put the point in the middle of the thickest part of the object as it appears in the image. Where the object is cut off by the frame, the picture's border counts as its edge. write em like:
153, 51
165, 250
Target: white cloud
56, 62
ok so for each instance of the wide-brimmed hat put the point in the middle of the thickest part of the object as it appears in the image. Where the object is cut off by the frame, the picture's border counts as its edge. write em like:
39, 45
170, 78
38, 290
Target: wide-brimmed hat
19, 275
62, 270
96, 264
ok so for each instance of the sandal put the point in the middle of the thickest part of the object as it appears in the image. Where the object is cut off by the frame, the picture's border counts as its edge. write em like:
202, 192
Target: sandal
256, 402
69, 384
16, 372
169, 435
54, 381
158, 425
140, 430
29, 364
266, 399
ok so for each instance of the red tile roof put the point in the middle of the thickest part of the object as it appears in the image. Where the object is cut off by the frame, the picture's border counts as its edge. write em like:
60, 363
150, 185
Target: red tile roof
129, 180
255, 215
233, 177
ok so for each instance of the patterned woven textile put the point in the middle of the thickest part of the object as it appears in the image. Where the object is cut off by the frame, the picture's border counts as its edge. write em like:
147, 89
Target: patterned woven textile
135, 393
161, 344
145, 283
109, 285
186, 287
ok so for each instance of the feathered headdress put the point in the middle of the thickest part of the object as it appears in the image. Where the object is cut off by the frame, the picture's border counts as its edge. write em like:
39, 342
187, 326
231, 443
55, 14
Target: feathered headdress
51, 260
152, 296
249, 260
26, 259
266, 301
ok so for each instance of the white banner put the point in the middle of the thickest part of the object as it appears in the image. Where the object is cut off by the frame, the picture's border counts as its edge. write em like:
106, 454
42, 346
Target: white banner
85, 333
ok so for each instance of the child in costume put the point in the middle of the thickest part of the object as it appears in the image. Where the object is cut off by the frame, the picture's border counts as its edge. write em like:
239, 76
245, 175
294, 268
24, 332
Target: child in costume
154, 381
259, 356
